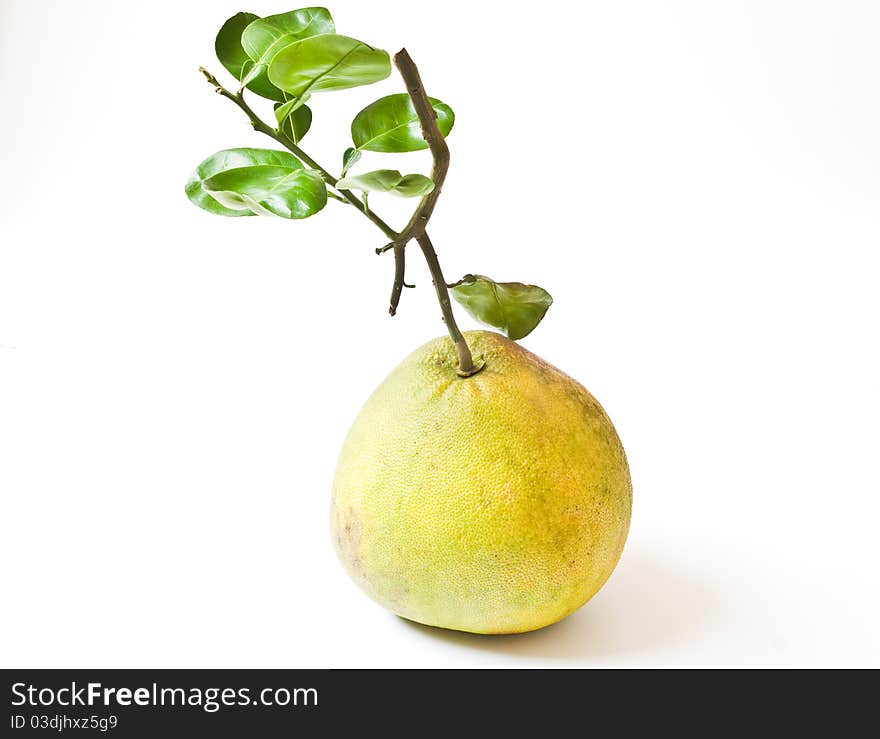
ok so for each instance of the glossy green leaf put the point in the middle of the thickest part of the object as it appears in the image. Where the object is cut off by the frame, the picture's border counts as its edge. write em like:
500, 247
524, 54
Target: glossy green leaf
388, 180
294, 119
228, 43
245, 182
263, 38
269, 190
391, 124
234, 58
349, 158
512, 307
282, 110
380, 180
298, 123
231, 159
328, 62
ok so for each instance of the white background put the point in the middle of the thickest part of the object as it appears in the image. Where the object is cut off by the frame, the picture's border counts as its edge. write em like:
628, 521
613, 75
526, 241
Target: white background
696, 183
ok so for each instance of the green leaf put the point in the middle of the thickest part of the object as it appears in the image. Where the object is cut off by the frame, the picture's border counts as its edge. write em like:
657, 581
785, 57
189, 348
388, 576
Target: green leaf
231, 159
228, 43
263, 38
509, 306
391, 124
270, 190
388, 180
380, 180
328, 62
294, 119
413, 186
349, 159
245, 182
232, 55
282, 110
298, 123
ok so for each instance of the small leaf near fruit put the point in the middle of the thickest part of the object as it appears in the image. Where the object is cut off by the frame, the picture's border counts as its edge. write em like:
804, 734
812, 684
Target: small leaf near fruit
511, 307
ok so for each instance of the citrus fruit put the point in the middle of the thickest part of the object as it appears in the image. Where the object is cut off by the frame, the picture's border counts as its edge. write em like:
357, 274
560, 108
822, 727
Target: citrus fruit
496, 503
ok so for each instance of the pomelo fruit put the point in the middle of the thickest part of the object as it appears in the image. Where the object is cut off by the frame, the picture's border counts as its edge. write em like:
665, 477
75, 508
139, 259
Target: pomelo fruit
496, 503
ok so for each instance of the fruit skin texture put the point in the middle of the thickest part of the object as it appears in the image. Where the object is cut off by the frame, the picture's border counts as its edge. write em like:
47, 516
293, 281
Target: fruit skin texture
497, 503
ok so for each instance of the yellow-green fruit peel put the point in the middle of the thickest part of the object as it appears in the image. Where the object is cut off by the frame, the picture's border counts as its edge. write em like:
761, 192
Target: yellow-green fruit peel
496, 503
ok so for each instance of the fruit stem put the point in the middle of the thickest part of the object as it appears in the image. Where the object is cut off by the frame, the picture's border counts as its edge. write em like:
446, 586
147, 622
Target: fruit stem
466, 366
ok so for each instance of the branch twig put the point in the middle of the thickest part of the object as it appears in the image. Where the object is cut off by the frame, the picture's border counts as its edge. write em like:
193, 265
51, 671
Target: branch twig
419, 221
416, 227
440, 154
436, 143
